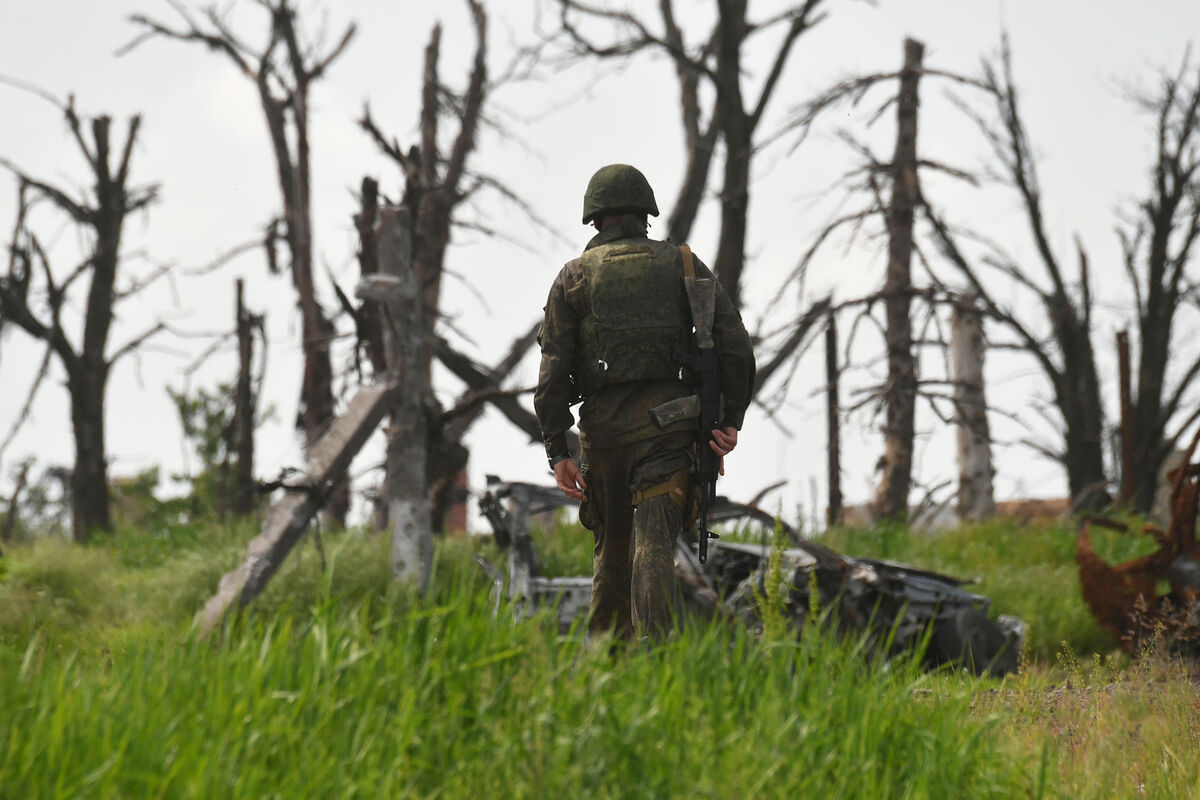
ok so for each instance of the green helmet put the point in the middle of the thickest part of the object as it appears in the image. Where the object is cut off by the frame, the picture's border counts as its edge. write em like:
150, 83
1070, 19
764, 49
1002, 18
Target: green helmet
618, 188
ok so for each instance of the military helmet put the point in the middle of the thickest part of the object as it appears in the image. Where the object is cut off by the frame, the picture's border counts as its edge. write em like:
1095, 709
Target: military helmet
618, 188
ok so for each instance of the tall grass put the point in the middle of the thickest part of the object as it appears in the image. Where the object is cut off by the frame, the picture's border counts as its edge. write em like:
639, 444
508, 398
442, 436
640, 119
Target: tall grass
338, 683
391, 697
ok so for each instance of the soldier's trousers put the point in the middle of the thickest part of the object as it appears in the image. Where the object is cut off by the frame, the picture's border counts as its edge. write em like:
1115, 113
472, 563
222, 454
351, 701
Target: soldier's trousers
634, 590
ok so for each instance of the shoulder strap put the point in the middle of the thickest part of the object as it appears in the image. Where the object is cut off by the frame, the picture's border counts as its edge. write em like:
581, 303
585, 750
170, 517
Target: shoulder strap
689, 269
701, 295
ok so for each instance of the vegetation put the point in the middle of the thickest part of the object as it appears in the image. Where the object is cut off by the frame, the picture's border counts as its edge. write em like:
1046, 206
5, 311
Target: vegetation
339, 684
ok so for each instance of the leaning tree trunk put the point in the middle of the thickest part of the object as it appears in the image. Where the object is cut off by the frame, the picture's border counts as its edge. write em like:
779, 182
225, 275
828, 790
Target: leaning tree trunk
976, 500
891, 496
89, 480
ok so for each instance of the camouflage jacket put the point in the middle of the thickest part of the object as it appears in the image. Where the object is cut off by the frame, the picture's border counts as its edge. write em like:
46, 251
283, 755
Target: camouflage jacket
619, 414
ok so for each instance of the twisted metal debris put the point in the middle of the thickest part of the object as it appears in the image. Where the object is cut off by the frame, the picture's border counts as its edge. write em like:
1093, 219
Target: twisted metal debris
1154, 599
892, 604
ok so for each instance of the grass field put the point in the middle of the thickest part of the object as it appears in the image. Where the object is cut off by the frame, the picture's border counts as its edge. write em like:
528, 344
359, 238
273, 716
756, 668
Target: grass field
340, 684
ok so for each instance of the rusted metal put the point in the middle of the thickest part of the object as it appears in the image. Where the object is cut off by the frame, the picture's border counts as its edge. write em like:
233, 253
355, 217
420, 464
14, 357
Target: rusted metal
1153, 600
891, 604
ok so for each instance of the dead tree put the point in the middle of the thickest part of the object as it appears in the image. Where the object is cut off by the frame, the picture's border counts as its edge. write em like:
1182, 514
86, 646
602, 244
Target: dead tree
405, 487
900, 392
437, 183
1066, 356
1157, 239
736, 110
283, 71
976, 500
100, 215
1126, 440
244, 406
835, 512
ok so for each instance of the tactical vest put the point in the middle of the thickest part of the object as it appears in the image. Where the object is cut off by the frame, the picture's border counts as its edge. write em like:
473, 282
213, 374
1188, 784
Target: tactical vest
639, 315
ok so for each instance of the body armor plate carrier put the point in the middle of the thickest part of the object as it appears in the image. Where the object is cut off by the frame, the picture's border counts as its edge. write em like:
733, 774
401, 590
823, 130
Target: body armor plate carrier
639, 316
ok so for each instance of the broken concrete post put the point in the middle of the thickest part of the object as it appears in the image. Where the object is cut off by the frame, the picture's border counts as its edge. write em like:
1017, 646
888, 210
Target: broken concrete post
405, 489
976, 500
289, 518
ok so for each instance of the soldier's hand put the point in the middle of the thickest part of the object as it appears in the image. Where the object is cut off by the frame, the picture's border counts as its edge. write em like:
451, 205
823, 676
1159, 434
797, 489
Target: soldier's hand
723, 442
568, 477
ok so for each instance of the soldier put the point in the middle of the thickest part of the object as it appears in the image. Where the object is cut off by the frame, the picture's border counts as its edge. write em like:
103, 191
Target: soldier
617, 319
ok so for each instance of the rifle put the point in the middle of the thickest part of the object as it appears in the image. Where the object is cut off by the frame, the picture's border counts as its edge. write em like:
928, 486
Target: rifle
706, 379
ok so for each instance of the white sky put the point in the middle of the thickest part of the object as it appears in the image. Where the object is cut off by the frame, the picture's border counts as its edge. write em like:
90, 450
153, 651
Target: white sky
204, 141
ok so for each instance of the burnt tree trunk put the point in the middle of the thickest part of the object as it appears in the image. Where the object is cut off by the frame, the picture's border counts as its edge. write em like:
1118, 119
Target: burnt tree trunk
834, 514
102, 217
245, 498
891, 496
737, 131
406, 345
976, 500
89, 479
1128, 439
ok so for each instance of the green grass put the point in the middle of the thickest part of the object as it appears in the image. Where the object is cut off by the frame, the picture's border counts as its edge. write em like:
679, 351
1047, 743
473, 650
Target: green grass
341, 684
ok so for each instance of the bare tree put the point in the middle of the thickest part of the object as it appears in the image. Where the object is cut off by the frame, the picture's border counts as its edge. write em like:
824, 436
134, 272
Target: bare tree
283, 86
736, 111
437, 182
1157, 242
1066, 356
36, 307
900, 392
892, 193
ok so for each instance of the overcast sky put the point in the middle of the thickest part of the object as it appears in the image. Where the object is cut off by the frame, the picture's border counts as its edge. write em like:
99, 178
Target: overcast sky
204, 142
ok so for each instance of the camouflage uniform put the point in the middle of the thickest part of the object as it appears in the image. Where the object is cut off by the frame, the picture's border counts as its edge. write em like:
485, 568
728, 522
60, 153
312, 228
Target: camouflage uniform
624, 451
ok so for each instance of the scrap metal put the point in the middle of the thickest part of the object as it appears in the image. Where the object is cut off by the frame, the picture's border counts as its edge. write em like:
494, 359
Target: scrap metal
892, 604
1155, 599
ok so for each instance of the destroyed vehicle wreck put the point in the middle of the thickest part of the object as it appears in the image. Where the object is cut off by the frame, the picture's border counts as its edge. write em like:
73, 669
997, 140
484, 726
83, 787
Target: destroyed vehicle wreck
892, 604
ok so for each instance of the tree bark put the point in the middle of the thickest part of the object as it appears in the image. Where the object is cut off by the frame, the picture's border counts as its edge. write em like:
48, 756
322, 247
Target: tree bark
737, 132
976, 500
245, 497
89, 479
891, 496
406, 345
1128, 440
834, 513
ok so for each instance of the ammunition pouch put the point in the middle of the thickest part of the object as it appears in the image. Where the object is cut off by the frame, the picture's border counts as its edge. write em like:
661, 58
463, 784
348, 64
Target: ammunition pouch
673, 411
